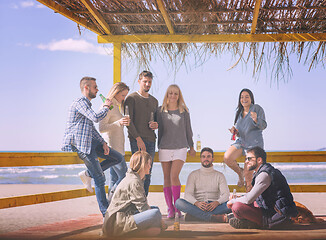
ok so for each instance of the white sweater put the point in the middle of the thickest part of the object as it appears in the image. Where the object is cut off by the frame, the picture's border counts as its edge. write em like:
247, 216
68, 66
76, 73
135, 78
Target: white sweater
111, 129
206, 184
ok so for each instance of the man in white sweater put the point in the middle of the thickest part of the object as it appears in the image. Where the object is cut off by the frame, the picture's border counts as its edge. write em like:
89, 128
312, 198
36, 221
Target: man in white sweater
206, 192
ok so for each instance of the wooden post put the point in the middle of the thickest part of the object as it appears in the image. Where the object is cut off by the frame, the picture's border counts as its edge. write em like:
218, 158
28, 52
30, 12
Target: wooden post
116, 62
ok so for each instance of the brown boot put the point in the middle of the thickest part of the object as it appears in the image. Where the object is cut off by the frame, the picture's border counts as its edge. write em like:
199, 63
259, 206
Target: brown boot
219, 218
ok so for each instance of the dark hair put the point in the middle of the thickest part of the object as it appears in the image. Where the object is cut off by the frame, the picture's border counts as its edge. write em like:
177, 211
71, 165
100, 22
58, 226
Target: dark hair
207, 149
240, 107
145, 74
258, 152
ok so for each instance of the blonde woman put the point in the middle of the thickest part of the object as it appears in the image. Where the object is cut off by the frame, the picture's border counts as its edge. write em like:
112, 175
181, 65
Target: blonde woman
111, 128
174, 138
129, 211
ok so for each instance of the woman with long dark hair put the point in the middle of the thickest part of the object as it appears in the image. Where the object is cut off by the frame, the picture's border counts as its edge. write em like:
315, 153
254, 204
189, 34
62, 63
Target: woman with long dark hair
249, 123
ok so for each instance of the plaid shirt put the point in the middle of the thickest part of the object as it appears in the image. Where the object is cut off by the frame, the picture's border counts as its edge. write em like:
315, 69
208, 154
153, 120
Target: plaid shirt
80, 129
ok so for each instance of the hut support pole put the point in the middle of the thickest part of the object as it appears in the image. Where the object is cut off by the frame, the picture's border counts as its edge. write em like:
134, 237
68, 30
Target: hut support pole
116, 62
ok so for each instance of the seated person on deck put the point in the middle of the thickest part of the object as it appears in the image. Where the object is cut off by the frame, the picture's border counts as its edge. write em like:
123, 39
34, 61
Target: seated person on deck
269, 204
206, 192
129, 211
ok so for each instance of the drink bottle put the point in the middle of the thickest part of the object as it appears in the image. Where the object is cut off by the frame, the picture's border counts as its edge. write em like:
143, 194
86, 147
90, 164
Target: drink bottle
198, 144
235, 133
104, 99
176, 224
126, 113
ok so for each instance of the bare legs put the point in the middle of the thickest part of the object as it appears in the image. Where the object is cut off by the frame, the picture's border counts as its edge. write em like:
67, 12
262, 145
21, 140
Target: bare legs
230, 157
171, 171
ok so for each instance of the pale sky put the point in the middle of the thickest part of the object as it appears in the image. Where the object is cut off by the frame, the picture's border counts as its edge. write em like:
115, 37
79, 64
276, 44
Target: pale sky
43, 58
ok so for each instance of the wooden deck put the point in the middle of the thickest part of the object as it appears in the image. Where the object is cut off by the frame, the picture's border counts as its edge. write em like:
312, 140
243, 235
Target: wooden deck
80, 219
90, 228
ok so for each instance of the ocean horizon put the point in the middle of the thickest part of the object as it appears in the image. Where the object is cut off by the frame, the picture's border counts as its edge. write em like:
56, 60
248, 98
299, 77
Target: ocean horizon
68, 174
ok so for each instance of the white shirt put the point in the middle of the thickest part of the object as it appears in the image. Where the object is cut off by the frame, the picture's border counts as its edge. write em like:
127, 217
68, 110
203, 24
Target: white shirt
206, 184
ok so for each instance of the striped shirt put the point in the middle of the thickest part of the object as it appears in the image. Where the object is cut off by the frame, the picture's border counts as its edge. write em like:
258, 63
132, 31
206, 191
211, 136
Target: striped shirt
80, 129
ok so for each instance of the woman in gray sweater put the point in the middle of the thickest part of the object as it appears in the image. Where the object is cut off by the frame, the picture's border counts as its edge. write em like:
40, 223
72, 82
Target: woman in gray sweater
174, 138
249, 124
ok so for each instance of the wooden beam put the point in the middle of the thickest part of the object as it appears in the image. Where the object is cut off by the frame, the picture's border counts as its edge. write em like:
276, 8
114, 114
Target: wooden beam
214, 38
25, 200
255, 16
116, 62
165, 16
18, 201
21, 159
68, 14
99, 18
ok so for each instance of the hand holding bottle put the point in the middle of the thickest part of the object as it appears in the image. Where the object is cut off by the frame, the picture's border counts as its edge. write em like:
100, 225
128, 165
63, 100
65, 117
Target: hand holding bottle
152, 125
234, 132
107, 102
124, 121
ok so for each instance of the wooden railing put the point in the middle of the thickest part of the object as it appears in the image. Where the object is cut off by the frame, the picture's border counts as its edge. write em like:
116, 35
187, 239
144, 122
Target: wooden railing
20, 159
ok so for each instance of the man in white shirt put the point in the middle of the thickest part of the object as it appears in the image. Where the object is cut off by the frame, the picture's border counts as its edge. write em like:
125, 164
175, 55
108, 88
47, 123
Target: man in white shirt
269, 204
206, 192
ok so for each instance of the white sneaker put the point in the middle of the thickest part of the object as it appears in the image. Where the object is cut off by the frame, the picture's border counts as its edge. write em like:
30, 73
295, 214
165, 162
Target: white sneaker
86, 180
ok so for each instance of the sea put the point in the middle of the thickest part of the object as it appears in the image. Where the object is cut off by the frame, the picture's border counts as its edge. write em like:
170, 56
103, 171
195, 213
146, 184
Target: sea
295, 173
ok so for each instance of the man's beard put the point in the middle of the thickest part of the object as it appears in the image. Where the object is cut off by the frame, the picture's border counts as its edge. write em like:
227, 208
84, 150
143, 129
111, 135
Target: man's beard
91, 95
253, 167
207, 166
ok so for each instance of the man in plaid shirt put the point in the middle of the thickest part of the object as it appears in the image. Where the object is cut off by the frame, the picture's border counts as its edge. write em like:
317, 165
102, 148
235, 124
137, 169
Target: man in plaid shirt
82, 137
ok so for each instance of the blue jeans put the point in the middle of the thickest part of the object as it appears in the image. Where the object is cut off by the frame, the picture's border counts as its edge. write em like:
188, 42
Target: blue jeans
150, 149
191, 209
148, 219
95, 169
117, 173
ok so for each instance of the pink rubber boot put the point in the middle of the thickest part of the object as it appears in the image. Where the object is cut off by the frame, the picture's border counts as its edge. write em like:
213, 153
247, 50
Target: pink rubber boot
168, 199
176, 195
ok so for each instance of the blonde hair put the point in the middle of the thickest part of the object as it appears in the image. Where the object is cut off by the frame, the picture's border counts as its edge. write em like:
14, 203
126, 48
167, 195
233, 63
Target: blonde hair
139, 160
181, 103
117, 88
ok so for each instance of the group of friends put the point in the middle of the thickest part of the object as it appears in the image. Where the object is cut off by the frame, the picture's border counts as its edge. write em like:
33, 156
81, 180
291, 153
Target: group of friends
267, 204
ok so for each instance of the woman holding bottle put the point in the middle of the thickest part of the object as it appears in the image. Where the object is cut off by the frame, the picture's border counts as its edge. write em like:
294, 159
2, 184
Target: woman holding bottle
111, 128
129, 211
249, 124
174, 137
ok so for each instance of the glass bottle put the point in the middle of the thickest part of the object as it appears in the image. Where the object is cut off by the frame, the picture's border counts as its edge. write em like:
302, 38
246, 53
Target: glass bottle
198, 144
104, 99
176, 224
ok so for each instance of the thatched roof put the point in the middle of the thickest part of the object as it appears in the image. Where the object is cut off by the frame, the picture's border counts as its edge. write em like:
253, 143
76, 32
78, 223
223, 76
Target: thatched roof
292, 27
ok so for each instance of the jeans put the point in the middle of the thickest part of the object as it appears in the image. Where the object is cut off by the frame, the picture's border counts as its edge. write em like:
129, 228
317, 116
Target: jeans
148, 219
150, 149
191, 209
95, 169
117, 173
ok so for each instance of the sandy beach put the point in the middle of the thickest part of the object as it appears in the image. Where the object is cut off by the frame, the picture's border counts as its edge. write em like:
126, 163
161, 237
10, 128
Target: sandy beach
16, 218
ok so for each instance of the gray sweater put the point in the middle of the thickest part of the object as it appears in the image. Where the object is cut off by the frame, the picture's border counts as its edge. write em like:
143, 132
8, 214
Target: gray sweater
174, 129
251, 133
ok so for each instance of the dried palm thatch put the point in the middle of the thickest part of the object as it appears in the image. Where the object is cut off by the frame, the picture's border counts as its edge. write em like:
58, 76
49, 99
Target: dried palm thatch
210, 17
